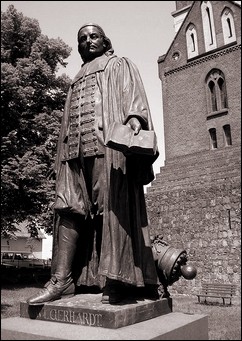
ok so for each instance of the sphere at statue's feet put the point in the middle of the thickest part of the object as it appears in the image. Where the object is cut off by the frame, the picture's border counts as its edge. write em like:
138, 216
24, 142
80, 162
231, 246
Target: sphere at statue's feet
188, 271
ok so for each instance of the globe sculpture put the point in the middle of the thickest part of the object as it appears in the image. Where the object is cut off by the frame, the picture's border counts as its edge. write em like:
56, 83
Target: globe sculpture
188, 271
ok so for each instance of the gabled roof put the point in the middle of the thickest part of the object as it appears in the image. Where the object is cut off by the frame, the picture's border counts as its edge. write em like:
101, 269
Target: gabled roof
162, 57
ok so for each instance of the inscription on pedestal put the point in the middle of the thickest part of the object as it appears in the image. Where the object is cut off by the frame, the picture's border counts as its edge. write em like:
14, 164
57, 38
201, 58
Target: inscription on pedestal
87, 310
70, 316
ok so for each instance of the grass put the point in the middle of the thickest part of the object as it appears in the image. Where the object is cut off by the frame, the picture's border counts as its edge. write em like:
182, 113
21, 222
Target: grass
224, 321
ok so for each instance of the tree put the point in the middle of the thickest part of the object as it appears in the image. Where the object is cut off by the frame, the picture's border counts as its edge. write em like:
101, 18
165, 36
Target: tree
32, 101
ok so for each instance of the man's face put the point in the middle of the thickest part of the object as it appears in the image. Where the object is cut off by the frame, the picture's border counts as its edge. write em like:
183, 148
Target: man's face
91, 43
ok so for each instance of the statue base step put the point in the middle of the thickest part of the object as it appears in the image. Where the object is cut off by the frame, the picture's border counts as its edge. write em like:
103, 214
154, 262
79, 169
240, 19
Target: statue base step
88, 310
172, 326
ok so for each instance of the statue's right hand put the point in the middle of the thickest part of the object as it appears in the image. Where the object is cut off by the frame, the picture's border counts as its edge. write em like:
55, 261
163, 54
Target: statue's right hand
134, 124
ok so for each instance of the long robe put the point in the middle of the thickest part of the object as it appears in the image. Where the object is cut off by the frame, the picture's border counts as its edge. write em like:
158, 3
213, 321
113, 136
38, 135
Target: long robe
123, 251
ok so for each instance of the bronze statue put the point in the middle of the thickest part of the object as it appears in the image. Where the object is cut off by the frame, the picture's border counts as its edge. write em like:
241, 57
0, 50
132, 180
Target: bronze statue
101, 235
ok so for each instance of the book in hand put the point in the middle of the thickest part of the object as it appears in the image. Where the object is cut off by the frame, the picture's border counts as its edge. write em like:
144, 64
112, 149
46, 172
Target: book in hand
122, 138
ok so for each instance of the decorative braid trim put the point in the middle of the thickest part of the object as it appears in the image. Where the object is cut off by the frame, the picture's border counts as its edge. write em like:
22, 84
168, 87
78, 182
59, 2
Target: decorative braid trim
203, 59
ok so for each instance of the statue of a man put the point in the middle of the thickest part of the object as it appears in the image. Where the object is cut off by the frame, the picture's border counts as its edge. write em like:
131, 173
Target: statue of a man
101, 235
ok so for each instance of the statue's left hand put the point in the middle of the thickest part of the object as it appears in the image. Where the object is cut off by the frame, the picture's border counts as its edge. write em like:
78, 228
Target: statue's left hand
134, 124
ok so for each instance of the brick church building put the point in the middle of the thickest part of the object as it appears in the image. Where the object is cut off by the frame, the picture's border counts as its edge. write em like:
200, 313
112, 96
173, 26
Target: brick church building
194, 202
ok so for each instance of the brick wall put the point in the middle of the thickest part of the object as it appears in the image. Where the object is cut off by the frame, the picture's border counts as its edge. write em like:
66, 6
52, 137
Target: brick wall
194, 201
196, 207
185, 106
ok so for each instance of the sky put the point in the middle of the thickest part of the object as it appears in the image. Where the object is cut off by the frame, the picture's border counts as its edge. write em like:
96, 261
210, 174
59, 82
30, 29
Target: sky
139, 30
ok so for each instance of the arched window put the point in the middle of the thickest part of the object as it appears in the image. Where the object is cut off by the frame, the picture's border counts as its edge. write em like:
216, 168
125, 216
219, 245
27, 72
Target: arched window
216, 92
222, 93
228, 26
227, 135
211, 86
213, 138
208, 26
191, 38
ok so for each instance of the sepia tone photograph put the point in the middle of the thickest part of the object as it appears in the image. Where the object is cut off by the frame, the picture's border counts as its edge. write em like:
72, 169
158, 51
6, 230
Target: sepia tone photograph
120, 170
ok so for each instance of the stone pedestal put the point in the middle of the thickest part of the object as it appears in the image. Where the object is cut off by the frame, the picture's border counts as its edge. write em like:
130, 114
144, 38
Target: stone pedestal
84, 317
87, 310
172, 326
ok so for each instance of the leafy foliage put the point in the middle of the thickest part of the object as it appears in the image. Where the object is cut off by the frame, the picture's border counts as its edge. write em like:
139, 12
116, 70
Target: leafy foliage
32, 101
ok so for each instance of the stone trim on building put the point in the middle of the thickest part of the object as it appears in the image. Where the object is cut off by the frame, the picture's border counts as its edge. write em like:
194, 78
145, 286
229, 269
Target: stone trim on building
203, 59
